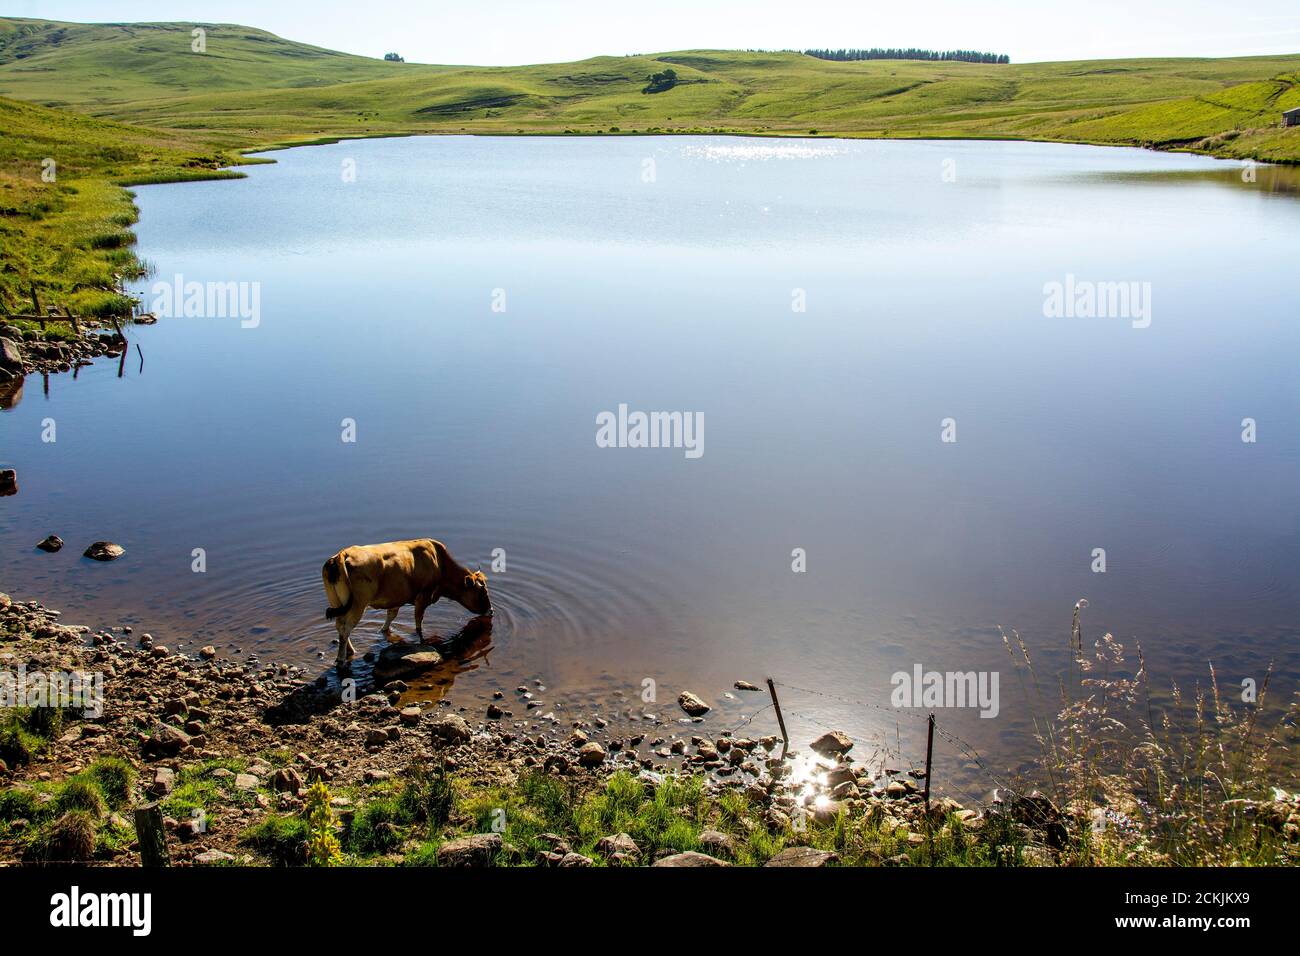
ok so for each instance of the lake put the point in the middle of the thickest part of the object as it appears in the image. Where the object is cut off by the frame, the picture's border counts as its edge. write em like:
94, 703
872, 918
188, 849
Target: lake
869, 334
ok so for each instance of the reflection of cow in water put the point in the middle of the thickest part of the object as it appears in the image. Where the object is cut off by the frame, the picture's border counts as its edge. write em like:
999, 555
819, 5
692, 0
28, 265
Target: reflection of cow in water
392, 575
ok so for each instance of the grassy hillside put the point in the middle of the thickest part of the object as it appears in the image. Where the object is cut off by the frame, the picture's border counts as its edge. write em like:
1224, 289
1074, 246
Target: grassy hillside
136, 103
89, 65
252, 87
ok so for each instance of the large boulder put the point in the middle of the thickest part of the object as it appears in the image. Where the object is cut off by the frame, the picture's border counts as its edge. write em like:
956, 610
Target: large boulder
478, 850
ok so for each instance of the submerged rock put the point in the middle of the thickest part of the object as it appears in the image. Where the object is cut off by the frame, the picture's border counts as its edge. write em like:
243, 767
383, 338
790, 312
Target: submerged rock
51, 544
104, 551
403, 660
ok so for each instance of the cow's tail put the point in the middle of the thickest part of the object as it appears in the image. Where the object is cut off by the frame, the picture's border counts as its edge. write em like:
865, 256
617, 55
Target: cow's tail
335, 573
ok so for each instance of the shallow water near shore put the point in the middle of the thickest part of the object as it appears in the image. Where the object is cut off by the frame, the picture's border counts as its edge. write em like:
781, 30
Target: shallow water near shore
660, 273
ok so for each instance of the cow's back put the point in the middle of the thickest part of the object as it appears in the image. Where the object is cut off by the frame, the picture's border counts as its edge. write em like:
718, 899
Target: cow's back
392, 573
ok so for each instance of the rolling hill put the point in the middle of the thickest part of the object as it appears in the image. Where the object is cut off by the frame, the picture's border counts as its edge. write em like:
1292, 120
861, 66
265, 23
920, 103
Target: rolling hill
251, 87
133, 102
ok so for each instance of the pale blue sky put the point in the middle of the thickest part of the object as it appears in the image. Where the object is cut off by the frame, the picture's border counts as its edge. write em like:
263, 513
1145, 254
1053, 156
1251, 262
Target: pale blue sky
536, 31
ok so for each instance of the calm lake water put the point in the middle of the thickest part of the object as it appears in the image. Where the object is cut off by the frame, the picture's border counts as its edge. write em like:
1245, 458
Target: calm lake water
473, 304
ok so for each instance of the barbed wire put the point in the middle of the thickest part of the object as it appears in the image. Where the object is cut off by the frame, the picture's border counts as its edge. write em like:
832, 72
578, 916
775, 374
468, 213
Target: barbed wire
748, 720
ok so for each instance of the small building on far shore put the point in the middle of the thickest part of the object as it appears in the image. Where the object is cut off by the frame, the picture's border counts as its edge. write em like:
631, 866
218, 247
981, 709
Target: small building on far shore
1291, 117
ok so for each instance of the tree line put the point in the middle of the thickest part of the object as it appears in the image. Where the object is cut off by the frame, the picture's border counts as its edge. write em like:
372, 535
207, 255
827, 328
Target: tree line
912, 53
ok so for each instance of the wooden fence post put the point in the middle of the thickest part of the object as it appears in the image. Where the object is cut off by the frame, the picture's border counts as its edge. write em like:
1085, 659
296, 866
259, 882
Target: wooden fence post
929, 763
152, 836
929, 768
785, 737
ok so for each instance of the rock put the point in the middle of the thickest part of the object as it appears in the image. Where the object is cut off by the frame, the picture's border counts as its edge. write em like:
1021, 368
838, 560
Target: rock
1034, 809
8, 482
51, 544
246, 781
449, 729
286, 780
207, 652
832, 744
840, 775
746, 685
11, 359
494, 712
404, 660
826, 812
690, 858
376, 738
803, 856
620, 843
591, 754
166, 741
411, 716
692, 705
104, 551
477, 850
716, 843
212, 858
575, 859
164, 779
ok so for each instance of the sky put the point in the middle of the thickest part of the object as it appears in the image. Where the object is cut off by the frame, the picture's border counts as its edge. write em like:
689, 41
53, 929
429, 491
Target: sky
507, 32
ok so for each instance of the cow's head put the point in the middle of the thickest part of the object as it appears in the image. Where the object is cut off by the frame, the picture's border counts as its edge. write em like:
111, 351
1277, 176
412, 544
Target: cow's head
474, 593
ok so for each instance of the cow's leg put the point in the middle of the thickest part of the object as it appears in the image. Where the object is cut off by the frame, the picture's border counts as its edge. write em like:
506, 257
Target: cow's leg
387, 629
346, 624
421, 604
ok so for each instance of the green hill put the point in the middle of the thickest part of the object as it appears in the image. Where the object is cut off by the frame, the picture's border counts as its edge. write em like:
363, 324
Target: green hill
251, 87
120, 103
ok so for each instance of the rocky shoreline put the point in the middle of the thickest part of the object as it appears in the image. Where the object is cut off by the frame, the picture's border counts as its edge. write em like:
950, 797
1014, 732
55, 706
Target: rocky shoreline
29, 352
231, 749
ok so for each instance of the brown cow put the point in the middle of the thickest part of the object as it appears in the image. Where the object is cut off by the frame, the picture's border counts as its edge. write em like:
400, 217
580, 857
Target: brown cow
392, 575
